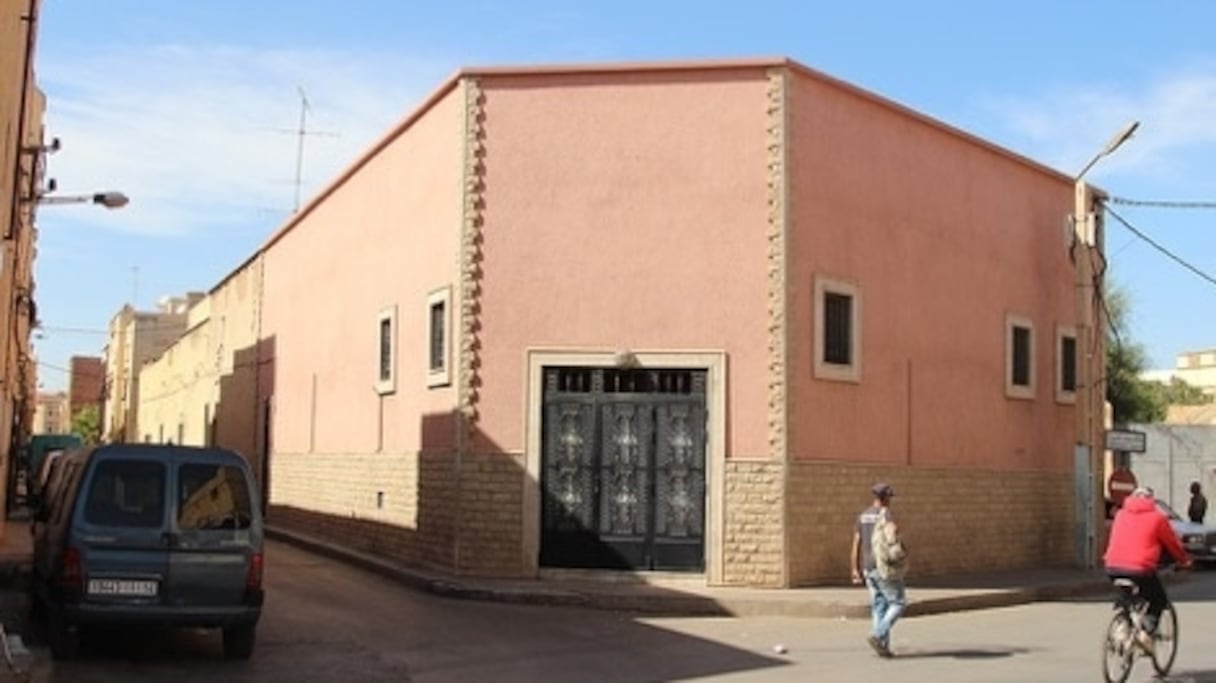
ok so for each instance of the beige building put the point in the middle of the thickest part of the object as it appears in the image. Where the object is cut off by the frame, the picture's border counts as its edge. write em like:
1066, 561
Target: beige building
1196, 368
51, 415
21, 109
135, 338
201, 390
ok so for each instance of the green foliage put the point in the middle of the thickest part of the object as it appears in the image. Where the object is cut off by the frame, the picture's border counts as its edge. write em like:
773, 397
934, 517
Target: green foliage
1132, 398
86, 424
1179, 393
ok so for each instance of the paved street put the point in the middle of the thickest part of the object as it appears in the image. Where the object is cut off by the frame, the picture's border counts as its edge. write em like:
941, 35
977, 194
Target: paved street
329, 622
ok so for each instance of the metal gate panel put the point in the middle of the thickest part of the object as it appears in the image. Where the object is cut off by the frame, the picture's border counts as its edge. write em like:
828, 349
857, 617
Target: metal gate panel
623, 468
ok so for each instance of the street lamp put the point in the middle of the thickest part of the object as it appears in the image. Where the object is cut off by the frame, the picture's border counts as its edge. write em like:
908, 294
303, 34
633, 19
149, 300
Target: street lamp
110, 200
1085, 236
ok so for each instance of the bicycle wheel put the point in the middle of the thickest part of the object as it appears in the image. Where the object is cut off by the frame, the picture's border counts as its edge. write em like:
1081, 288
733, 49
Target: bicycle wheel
1166, 645
1117, 649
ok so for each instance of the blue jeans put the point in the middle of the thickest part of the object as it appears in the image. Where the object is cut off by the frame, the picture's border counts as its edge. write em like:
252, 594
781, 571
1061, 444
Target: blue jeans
887, 602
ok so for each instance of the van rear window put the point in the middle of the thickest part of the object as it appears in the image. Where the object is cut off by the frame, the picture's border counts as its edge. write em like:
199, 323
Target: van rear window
212, 497
126, 493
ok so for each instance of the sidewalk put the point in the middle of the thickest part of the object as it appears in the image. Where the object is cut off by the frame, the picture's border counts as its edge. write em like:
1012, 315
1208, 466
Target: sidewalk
670, 595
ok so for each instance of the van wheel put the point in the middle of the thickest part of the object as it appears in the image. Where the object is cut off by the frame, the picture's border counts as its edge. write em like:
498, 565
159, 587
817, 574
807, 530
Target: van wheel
238, 640
64, 638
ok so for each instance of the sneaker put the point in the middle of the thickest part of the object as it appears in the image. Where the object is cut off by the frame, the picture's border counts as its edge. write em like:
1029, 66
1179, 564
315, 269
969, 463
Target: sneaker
1146, 641
879, 647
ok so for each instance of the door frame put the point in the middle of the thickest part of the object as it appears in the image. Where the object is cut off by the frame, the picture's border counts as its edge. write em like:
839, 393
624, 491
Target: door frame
713, 362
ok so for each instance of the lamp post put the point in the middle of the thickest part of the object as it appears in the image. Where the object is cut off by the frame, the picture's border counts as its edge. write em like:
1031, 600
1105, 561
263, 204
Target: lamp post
1091, 403
110, 200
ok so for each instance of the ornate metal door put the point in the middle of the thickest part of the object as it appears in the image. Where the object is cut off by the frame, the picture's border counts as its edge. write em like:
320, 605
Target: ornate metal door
623, 473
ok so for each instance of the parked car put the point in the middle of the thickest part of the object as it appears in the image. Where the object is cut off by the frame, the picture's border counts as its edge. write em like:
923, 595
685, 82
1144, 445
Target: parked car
149, 534
36, 484
1198, 539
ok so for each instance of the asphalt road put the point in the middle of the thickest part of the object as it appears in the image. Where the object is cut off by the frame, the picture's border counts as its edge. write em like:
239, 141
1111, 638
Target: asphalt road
325, 621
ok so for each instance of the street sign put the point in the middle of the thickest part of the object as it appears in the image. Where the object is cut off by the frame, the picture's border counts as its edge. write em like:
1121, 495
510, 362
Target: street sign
1122, 483
1125, 440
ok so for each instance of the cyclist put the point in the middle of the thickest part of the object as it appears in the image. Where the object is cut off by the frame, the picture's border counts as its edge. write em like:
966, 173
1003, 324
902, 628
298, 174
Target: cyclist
1139, 532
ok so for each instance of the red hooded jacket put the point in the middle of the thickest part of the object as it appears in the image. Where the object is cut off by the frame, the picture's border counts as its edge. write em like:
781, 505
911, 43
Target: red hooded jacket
1136, 537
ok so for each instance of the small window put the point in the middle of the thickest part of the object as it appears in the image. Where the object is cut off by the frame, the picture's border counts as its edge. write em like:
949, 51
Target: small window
386, 323
1066, 364
439, 371
1019, 357
212, 497
126, 493
837, 319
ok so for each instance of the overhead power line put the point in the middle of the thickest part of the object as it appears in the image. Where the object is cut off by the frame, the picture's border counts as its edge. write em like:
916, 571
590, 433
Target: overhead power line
1176, 258
1161, 204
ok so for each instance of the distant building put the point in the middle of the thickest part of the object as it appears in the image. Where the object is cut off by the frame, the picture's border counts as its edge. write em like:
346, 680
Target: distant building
51, 414
1196, 368
86, 383
135, 338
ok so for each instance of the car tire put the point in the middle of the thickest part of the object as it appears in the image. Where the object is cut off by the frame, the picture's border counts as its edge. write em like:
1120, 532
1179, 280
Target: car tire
239, 640
64, 637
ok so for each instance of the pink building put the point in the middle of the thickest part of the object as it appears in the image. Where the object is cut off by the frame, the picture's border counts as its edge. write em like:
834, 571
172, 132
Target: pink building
676, 317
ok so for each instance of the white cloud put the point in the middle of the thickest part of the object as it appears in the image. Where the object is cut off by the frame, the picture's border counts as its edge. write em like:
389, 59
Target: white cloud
194, 134
1066, 127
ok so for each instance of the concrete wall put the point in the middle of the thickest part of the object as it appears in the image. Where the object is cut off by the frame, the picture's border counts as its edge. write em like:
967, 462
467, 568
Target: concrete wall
1175, 456
201, 390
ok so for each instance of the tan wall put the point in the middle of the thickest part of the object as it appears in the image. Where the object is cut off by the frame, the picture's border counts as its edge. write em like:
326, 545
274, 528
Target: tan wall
20, 129
953, 520
136, 337
202, 386
52, 414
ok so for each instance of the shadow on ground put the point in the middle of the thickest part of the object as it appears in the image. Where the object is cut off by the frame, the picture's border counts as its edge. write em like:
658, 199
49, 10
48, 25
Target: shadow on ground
964, 653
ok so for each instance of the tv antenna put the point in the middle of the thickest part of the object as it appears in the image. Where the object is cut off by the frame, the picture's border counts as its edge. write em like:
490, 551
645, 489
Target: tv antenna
301, 132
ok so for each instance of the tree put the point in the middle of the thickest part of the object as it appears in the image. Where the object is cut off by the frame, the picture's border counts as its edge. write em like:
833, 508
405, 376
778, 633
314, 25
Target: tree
1179, 393
86, 424
1132, 398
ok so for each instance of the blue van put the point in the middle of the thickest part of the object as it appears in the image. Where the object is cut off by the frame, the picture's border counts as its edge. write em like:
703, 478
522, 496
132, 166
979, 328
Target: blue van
149, 534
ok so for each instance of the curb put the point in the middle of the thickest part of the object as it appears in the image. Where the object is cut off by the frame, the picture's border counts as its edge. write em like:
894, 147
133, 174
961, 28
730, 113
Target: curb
659, 602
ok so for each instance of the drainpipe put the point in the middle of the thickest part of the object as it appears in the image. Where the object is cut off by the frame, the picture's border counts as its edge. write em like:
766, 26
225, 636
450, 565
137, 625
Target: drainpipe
31, 19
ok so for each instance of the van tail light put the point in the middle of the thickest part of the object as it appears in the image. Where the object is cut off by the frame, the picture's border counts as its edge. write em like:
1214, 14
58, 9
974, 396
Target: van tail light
253, 579
71, 574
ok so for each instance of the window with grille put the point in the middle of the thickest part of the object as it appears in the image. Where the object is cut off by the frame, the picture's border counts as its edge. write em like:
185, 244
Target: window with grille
386, 376
1019, 357
837, 319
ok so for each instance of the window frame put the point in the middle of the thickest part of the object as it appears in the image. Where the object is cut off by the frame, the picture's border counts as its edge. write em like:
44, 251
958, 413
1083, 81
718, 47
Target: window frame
1018, 391
837, 372
439, 377
386, 385
1064, 395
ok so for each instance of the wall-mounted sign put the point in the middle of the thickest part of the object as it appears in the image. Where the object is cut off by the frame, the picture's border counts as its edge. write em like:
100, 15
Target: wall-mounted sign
1125, 440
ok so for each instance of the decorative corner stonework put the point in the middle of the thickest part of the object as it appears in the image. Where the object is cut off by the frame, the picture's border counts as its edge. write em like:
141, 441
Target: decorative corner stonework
777, 261
470, 254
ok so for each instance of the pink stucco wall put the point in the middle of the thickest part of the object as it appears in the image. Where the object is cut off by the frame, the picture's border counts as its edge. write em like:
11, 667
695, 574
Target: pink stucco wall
386, 236
944, 236
625, 210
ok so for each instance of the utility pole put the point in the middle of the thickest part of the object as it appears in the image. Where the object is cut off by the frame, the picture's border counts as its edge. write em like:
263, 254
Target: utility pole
1091, 348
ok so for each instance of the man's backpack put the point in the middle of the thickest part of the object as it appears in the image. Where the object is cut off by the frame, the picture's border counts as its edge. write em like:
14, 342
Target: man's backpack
890, 553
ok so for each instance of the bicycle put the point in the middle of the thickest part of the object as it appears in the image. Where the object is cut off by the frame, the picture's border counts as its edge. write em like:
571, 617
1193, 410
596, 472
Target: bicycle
1121, 645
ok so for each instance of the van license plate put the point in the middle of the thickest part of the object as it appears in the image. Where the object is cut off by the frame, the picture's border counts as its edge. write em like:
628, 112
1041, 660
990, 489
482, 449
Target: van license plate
122, 587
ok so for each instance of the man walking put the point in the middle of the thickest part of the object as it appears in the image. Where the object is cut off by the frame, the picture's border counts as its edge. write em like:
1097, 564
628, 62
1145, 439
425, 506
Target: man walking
887, 598
1199, 504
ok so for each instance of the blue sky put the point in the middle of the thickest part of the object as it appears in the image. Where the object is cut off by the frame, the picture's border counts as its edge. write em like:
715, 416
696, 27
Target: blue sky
182, 106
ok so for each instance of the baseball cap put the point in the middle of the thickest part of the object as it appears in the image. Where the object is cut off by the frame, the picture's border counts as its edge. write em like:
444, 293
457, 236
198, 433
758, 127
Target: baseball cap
883, 490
